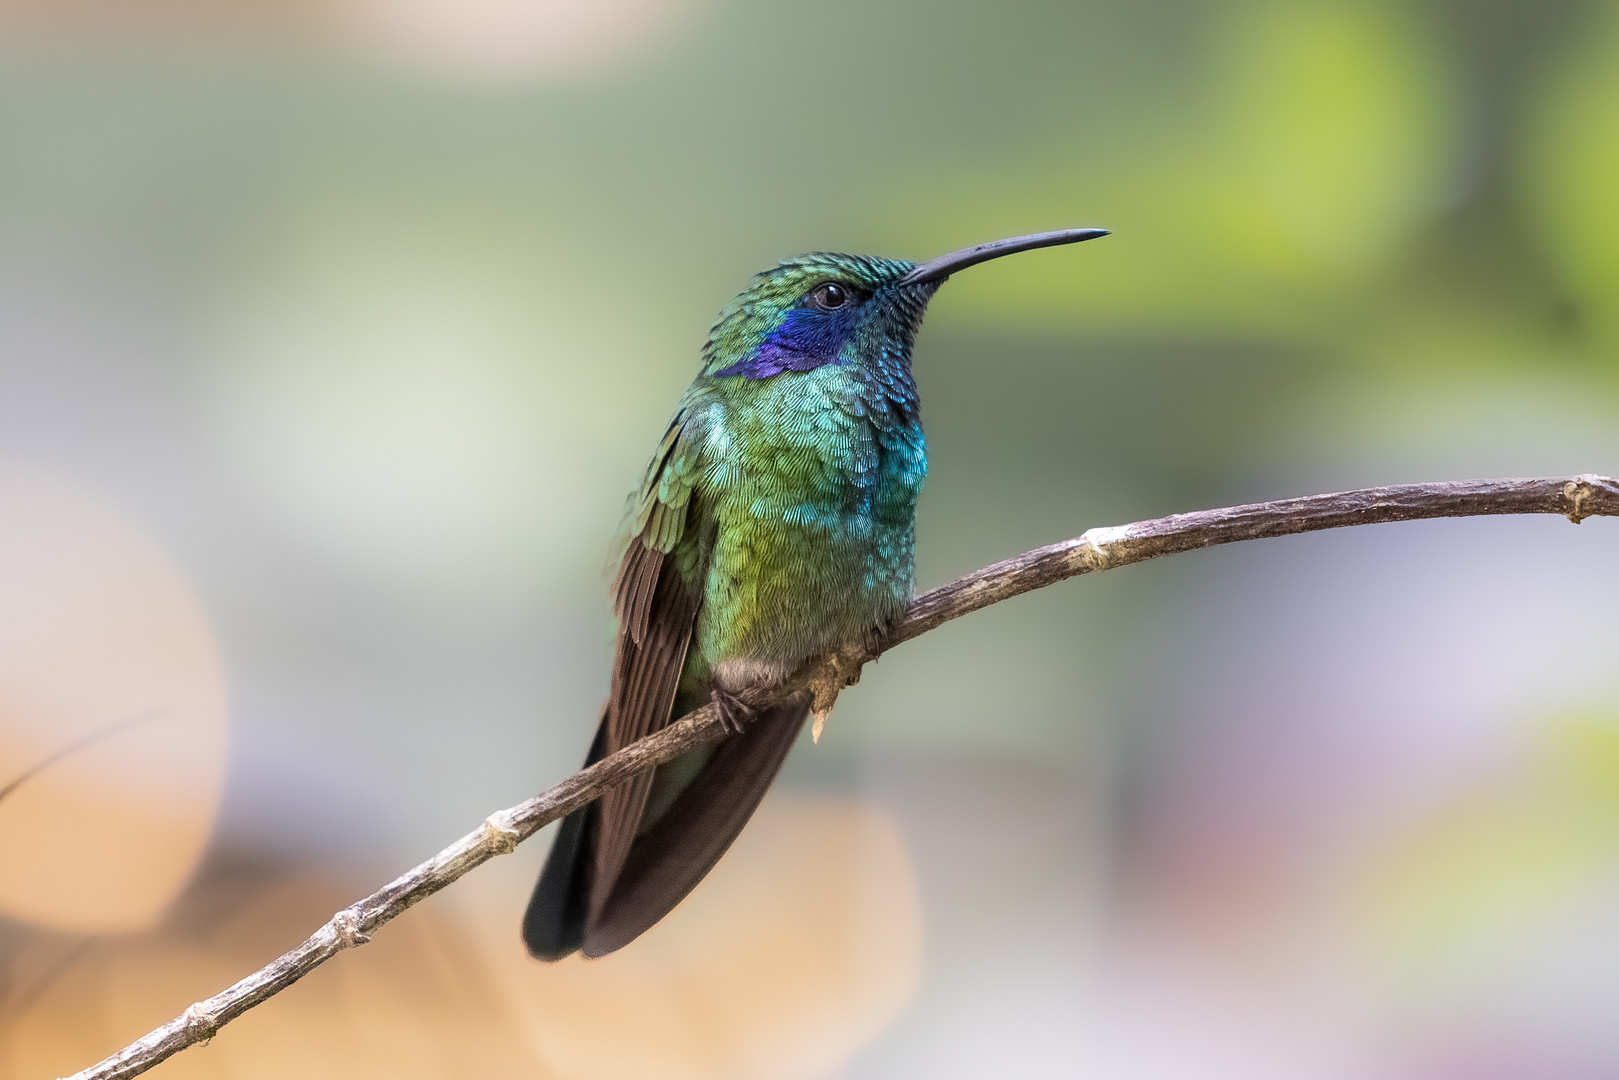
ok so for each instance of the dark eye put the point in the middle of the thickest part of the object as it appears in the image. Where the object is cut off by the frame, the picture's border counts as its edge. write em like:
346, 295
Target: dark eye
829, 295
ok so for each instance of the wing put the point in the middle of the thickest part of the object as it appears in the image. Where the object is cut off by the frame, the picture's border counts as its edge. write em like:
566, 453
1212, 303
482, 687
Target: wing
657, 610
684, 844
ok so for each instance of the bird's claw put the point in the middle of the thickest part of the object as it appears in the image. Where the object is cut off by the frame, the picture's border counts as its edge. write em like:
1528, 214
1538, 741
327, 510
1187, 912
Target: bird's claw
874, 641
734, 712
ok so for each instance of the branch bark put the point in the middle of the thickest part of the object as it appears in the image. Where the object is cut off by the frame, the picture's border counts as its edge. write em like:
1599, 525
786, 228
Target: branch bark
1098, 549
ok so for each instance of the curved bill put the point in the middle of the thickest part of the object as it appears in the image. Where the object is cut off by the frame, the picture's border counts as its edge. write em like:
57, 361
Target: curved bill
945, 265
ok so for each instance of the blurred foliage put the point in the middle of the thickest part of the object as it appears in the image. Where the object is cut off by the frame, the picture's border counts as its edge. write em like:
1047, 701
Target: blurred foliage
1571, 170
1525, 846
369, 313
1292, 182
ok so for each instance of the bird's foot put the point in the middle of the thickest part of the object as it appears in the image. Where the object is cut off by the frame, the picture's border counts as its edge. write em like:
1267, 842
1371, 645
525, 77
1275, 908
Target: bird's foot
874, 641
734, 712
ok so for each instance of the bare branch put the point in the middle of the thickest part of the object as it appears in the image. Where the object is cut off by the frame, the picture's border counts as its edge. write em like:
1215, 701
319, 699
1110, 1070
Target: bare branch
1099, 549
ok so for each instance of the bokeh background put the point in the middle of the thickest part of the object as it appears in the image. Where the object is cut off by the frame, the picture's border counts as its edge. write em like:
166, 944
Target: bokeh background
333, 332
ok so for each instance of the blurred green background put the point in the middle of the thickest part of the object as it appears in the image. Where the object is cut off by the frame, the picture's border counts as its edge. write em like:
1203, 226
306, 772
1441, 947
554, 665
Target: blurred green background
370, 313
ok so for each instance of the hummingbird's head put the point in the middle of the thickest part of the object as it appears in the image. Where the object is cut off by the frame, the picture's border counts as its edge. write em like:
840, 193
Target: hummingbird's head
853, 310
817, 309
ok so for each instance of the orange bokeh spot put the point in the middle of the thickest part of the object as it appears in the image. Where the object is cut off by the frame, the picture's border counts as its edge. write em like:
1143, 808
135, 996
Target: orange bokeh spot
112, 714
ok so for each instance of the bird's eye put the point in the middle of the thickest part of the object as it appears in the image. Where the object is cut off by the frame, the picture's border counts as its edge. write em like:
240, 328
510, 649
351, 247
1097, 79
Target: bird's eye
829, 295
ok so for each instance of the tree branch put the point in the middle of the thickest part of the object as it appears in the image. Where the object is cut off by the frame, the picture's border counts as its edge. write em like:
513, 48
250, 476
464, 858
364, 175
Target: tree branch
1099, 549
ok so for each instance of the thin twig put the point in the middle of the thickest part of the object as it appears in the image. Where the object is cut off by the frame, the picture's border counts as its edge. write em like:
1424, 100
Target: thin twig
81, 744
1099, 549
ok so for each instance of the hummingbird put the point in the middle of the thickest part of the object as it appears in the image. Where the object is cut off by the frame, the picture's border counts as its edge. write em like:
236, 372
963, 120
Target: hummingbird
774, 523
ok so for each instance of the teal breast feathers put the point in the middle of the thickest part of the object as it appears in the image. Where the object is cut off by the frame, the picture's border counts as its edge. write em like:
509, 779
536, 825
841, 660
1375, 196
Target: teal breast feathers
813, 505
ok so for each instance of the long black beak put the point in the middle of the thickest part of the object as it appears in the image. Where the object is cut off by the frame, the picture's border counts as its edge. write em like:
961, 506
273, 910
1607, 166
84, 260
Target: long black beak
945, 265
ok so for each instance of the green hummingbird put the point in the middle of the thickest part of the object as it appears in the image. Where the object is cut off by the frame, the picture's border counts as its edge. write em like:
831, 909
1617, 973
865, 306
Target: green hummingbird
775, 523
